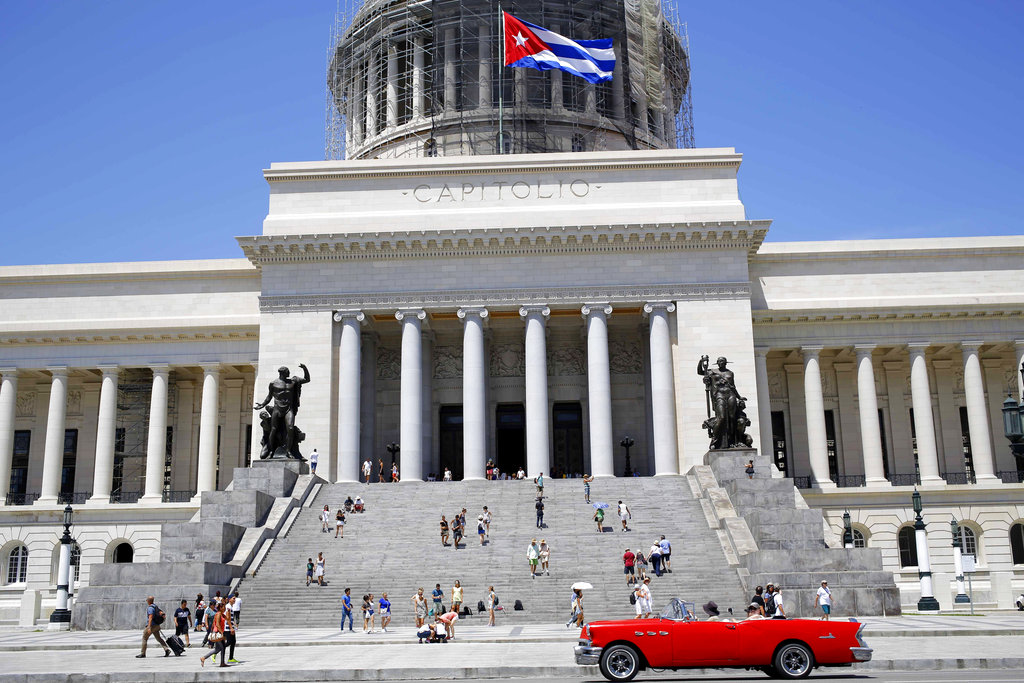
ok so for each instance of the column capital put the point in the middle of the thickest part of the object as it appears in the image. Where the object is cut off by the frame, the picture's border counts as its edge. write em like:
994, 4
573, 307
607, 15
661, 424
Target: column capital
161, 369
4, 371
58, 370
652, 306
811, 351
595, 308
917, 347
109, 370
762, 351
534, 309
210, 368
971, 345
472, 310
418, 313
358, 316
864, 350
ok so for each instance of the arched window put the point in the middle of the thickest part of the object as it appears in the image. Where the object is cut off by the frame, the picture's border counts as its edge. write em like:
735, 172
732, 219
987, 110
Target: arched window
17, 565
908, 547
430, 147
968, 541
858, 539
123, 554
1017, 543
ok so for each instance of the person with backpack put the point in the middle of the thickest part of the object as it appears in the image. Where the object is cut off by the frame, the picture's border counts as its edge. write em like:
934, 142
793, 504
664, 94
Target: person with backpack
769, 600
154, 618
599, 518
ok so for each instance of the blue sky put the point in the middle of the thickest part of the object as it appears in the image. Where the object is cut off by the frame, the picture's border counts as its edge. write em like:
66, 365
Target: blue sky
138, 130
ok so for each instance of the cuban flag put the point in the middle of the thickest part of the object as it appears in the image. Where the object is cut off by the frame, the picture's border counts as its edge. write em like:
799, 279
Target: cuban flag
531, 46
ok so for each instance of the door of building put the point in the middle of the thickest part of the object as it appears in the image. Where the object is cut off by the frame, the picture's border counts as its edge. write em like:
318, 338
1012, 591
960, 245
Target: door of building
451, 441
510, 437
568, 439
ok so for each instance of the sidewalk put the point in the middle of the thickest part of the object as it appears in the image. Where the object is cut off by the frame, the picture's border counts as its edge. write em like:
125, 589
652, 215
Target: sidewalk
535, 651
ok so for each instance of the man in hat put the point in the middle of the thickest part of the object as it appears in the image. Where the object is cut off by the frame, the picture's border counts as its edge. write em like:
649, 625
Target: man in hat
754, 611
824, 598
711, 609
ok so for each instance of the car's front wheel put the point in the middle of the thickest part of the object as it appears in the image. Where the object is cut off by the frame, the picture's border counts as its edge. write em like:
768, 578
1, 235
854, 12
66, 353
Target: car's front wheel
620, 662
793, 660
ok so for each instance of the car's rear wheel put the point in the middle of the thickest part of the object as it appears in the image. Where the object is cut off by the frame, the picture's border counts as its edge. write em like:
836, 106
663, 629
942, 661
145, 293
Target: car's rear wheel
793, 660
620, 662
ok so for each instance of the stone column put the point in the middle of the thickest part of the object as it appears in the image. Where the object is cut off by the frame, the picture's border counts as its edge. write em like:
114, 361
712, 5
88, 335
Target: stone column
814, 407
484, 75
870, 435
230, 432
618, 96
106, 431
372, 84
977, 414
599, 390
764, 401
924, 424
350, 360
206, 477
474, 393
899, 417
417, 77
53, 451
392, 104
156, 443
537, 434
1016, 373
450, 75
411, 410
8, 403
663, 400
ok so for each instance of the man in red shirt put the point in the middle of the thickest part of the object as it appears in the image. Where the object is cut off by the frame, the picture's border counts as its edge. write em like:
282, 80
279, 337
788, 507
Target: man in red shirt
628, 559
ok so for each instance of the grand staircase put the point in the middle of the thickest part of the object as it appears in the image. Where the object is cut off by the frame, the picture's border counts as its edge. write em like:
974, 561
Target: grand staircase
395, 546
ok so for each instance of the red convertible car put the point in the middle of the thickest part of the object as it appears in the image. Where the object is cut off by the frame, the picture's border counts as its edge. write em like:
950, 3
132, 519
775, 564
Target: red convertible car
782, 648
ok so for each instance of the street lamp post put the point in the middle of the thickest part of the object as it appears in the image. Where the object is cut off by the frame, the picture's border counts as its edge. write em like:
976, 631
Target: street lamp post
627, 443
958, 563
924, 567
393, 449
1013, 429
847, 530
60, 618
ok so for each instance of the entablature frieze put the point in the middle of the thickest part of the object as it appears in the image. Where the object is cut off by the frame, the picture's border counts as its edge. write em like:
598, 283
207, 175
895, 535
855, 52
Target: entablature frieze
513, 241
508, 298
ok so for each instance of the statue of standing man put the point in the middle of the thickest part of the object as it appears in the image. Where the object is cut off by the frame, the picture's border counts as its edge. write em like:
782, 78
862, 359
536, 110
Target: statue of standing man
280, 435
727, 427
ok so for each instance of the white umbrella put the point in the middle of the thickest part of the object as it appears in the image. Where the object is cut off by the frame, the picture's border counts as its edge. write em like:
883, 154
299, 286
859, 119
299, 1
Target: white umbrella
581, 586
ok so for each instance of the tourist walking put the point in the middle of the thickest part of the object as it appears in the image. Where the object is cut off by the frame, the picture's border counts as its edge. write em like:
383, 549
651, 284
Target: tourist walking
545, 555
624, 514
339, 523
457, 597
419, 605
380, 470
539, 505
643, 599
183, 622
456, 531
481, 528
628, 562
310, 568
321, 568
216, 637
586, 488
385, 612
437, 595
599, 518
314, 458
230, 636
654, 555
325, 519
824, 598
444, 531
394, 474
533, 556
367, 469
211, 612
641, 566
368, 618
487, 522
154, 618
200, 613
576, 615
236, 608
492, 600
346, 610
539, 481
666, 554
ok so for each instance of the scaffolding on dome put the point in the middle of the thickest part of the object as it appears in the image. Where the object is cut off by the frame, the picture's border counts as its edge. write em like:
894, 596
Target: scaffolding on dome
424, 78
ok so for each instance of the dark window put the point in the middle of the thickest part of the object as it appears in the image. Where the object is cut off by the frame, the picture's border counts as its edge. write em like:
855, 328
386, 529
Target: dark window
913, 446
510, 438
885, 448
67, 473
567, 431
579, 142
168, 452
248, 445
19, 464
430, 148
779, 441
908, 547
858, 539
451, 441
123, 554
830, 445
967, 541
1017, 543
965, 438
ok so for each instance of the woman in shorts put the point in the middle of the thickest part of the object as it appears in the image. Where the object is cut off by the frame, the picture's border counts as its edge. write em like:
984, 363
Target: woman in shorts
325, 519
545, 555
368, 617
481, 528
492, 600
444, 530
385, 612
457, 597
419, 603
339, 523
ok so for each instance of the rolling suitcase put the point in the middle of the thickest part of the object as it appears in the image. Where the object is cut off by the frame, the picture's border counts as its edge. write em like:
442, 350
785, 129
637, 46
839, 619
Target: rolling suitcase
178, 647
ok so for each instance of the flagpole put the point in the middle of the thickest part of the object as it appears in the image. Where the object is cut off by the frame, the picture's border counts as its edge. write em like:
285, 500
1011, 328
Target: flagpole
501, 86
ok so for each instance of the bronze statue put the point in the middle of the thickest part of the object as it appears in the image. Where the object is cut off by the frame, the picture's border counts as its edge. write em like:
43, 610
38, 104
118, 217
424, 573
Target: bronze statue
727, 428
281, 437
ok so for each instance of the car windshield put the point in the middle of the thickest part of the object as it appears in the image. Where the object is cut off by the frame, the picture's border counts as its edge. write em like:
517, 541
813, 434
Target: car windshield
678, 610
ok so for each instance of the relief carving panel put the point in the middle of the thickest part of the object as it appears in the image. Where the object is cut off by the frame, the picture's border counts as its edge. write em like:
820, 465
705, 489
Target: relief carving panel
389, 363
508, 360
564, 361
26, 406
626, 358
447, 362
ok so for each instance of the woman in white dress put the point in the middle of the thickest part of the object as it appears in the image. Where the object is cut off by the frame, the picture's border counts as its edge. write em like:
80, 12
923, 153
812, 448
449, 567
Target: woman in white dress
321, 565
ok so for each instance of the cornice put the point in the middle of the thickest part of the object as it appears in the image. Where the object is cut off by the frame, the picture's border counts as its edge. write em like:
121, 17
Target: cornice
129, 337
881, 315
504, 298
541, 240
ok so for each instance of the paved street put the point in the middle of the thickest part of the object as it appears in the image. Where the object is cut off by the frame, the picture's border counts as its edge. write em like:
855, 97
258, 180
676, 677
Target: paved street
922, 643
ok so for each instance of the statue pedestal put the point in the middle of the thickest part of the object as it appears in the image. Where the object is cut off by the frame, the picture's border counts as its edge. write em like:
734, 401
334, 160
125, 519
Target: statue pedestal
731, 463
275, 477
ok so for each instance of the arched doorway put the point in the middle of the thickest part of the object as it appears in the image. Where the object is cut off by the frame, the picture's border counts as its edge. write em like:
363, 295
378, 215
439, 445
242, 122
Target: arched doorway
124, 553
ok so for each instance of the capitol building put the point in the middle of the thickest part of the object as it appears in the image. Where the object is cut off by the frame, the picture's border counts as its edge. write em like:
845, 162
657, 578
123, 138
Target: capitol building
530, 286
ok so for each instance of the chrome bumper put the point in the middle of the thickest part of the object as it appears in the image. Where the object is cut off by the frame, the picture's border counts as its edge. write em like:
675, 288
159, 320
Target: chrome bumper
588, 656
861, 654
